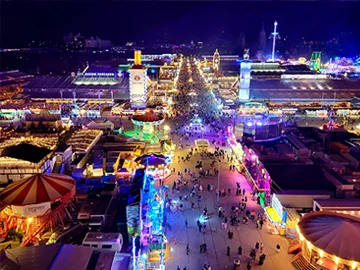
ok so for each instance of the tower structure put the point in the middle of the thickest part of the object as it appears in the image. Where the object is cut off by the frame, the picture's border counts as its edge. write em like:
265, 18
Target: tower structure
216, 63
245, 76
315, 61
262, 39
138, 83
274, 35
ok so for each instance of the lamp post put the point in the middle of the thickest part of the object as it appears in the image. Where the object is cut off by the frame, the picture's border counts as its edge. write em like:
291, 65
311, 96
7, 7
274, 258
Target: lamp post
218, 182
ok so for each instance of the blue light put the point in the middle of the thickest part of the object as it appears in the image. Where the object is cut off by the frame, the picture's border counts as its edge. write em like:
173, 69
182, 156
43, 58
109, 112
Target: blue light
249, 124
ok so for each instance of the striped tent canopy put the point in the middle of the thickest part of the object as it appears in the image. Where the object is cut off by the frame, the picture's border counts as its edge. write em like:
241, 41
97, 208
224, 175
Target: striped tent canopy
38, 188
148, 116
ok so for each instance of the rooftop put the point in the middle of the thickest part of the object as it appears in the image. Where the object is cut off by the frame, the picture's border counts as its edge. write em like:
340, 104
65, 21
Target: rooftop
101, 237
27, 152
299, 177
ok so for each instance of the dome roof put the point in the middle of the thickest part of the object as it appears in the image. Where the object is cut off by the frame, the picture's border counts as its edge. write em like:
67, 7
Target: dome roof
151, 160
38, 188
148, 116
336, 234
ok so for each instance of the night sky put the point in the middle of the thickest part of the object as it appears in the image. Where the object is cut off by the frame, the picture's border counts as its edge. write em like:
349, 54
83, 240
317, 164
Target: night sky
181, 21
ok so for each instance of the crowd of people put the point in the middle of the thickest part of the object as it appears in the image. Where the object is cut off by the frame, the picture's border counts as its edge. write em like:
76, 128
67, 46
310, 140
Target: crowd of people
188, 194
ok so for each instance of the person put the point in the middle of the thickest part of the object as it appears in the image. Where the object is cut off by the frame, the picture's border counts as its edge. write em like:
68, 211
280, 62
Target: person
278, 248
248, 266
240, 251
261, 224
262, 259
253, 254
261, 246
201, 248
187, 249
257, 245
228, 251
186, 223
178, 268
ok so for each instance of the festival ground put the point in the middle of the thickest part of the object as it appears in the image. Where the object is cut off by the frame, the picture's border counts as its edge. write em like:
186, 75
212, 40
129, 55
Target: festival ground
215, 236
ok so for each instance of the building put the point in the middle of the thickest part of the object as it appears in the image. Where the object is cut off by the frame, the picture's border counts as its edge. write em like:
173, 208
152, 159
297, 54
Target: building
96, 82
97, 43
12, 83
283, 82
245, 70
58, 257
138, 83
22, 157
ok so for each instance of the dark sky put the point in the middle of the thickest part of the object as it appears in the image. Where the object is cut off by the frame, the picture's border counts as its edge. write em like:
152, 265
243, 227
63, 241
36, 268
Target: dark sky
201, 21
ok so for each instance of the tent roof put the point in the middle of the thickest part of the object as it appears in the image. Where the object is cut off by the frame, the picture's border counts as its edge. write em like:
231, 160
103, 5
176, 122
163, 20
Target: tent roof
334, 233
38, 188
148, 116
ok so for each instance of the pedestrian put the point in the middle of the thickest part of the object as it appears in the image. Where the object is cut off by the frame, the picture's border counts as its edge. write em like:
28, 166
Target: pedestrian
262, 259
192, 205
200, 227
257, 246
261, 223
228, 251
248, 266
201, 248
187, 249
240, 251
186, 223
278, 248
205, 246
204, 226
243, 191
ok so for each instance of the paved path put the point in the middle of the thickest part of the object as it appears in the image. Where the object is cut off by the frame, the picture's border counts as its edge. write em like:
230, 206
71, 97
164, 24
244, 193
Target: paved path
215, 237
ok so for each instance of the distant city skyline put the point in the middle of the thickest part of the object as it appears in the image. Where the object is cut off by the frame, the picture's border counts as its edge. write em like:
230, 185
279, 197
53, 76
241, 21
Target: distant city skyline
176, 22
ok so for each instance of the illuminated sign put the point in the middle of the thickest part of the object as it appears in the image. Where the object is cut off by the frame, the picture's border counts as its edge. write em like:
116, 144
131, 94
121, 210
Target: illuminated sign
138, 88
279, 209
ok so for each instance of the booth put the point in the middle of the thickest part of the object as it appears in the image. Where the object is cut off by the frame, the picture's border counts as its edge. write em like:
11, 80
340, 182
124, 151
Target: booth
276, 215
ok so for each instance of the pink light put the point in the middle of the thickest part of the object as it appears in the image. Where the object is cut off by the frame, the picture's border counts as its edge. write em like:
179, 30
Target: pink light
254, 157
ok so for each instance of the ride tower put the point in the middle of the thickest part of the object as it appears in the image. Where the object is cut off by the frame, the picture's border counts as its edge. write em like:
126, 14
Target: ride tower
315, 61
275, 35
216, 63
138, 83
245, 77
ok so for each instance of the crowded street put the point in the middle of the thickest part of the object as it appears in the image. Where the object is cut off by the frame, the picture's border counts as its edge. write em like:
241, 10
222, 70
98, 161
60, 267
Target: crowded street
204, 230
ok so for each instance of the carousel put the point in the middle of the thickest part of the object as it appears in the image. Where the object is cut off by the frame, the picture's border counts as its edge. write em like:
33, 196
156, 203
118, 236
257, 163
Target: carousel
330, 240
35, 204
147, 127
156, 165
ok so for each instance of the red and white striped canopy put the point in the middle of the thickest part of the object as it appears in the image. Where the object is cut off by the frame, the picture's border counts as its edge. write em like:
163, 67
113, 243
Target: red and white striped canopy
38, 188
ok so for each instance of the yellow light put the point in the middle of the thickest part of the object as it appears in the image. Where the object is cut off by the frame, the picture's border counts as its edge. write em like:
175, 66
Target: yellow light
308, 245
336, 260
30, 219
354, 265
321, 253
166, 128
